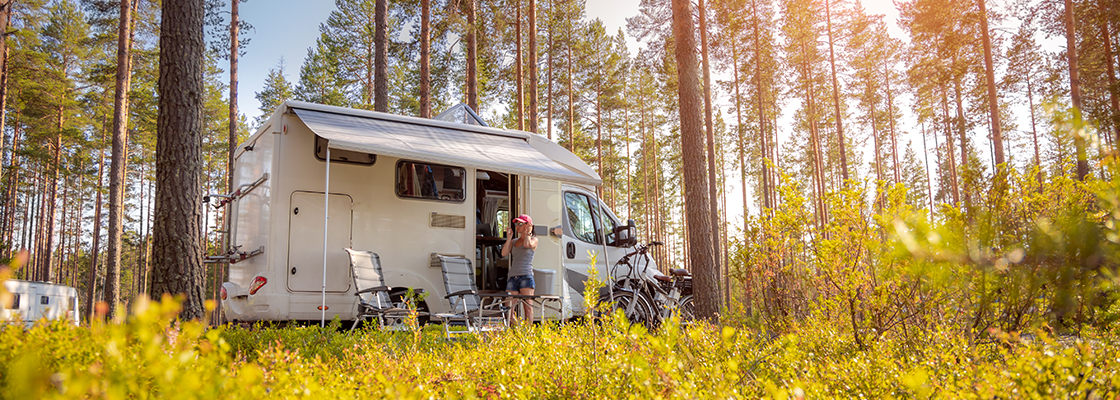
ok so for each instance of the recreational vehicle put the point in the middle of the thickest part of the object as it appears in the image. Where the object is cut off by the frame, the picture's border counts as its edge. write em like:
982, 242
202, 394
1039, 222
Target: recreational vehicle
32, 301
315, 179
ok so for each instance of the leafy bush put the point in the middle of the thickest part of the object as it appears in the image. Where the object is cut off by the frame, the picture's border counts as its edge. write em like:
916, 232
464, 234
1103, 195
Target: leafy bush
150, 355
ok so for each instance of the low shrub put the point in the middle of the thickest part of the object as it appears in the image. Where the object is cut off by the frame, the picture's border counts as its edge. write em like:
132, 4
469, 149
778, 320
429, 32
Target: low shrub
151, 355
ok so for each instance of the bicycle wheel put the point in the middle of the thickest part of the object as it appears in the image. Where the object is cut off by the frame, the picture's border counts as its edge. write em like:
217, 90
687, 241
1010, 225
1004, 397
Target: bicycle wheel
635, 307
687, 309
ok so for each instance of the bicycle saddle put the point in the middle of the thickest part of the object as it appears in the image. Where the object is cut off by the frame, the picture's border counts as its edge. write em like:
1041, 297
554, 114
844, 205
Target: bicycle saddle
680, 272
663, 278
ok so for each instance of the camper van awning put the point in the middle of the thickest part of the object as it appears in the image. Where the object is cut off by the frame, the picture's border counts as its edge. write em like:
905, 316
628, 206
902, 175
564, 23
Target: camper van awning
445, 143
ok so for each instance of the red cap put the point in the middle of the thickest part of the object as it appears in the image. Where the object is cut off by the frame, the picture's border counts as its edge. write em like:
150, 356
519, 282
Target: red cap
523, 218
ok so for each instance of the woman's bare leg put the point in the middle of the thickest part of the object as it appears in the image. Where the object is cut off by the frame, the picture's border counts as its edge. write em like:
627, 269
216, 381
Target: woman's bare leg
528, 305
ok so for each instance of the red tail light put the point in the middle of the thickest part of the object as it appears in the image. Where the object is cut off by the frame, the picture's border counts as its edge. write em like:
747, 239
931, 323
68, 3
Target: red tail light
223, 293
258, 282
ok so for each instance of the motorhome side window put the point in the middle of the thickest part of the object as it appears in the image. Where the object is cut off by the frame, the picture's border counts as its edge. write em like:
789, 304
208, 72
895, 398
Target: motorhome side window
580, 217
346, 156
611, 224
430, 181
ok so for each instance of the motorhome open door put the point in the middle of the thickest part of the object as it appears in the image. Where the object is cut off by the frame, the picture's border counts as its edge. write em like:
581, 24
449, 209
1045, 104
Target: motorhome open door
545, 204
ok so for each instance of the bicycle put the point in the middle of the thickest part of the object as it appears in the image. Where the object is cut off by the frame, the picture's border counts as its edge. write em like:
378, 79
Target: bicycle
651, 298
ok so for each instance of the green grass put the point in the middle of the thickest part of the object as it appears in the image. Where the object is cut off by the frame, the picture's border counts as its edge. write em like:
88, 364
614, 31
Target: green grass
148, 355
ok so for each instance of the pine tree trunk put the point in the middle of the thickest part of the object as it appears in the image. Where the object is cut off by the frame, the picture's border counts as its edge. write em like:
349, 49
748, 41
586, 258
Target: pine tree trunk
767, 183
381, 57
52, 200
962, 134
12, 196
949, 147
743, 141
836, 98
519, 78
1075, 91
890, 120
1113, 89
700, 243
472, 58
234, 47
95, 248
552, 14
1034, 131
234, 50
533, 73
571, 92
709, 130
177, 248
929, 184
425, 59
5, 20
990, 76
117, 173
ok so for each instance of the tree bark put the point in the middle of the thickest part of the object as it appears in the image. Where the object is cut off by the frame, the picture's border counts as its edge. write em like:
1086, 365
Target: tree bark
963, 136
472, 58
95, 248
709, 131
890, 120
5, 20
699, 230
533, 72
949, 146
177, 232
571, 91
425, 59
767, 184
381, 57
1075, 92
990, 76
119, 157
552, 14
519, 78
234, 46
52, 202
1034, 131
1113, 96
836, 97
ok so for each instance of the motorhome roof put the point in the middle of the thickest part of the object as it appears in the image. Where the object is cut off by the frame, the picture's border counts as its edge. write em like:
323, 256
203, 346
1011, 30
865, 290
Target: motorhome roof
430, 140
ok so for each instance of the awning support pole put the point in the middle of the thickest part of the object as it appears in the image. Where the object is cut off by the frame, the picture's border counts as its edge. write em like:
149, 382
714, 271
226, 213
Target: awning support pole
603, 240
326, 223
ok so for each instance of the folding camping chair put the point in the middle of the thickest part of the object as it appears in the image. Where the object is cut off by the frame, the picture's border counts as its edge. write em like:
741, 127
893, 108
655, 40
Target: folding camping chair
373, 295
477, 310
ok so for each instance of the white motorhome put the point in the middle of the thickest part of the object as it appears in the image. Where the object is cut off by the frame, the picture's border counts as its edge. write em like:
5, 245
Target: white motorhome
32, 301
407, 189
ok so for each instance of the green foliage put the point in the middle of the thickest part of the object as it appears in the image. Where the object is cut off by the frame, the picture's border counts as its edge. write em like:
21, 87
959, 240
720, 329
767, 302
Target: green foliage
150, 355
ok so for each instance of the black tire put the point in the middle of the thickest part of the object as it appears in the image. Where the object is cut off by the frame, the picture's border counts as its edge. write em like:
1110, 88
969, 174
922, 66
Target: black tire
687, 310
635, 307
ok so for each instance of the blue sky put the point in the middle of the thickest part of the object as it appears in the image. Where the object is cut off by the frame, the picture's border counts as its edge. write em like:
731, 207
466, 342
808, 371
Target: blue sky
288, 31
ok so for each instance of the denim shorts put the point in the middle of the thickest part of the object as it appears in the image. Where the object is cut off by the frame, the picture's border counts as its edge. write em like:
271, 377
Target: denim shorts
516, 283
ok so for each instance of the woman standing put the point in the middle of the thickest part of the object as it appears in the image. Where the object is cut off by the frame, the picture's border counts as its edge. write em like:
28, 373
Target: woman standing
520, 279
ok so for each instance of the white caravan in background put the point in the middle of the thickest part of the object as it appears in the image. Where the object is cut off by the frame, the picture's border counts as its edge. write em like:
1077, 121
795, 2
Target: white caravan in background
407, 189
32, 301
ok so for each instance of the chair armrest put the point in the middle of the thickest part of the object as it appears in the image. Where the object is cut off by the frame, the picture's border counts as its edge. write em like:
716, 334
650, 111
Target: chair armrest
460, 293
374, 289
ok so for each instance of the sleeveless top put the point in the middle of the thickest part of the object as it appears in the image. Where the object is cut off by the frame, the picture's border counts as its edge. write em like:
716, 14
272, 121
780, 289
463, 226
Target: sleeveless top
521, 261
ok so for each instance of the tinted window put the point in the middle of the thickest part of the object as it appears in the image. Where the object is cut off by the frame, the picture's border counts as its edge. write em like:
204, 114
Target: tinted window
430, 181
44, 300
580, 217
15, 301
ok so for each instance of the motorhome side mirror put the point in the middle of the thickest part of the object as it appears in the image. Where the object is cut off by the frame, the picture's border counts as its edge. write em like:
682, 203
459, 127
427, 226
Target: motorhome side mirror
631, 223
